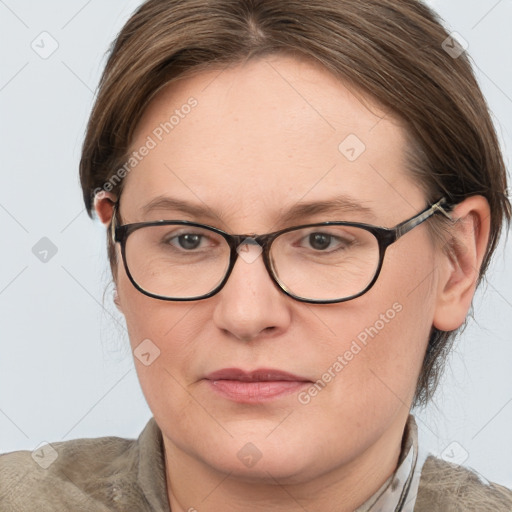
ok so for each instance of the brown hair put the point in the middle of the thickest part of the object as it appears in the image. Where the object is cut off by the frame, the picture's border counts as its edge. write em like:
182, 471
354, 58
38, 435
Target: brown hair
392, 50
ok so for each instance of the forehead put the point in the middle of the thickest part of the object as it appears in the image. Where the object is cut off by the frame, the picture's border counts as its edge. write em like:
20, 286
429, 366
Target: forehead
252, 139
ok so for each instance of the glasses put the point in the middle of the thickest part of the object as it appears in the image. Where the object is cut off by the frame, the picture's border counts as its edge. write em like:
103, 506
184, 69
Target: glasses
319, 263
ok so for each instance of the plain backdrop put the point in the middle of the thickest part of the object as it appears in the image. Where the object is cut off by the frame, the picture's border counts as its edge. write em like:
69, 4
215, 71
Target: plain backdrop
66, 370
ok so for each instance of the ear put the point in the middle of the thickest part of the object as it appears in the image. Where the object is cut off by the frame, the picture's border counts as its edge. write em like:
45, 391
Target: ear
117, 301
103, 205
459, 264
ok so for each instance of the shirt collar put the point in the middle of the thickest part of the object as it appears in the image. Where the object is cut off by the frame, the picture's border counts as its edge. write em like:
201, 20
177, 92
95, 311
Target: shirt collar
151, 472
398, 493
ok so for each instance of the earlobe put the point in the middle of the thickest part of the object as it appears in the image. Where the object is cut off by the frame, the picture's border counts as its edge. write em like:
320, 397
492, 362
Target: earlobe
103, 205
460, 263
117, 302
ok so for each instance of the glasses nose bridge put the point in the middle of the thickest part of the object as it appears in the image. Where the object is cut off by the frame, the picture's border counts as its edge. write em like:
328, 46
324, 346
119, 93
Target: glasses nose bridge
264, 241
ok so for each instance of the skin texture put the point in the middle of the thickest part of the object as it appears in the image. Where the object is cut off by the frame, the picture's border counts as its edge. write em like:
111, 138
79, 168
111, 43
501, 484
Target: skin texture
263, 137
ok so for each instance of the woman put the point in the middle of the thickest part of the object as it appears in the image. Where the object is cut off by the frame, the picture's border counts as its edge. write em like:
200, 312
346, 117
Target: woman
300, 200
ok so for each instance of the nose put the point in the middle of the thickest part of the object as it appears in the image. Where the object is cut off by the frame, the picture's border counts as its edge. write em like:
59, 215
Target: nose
250, 304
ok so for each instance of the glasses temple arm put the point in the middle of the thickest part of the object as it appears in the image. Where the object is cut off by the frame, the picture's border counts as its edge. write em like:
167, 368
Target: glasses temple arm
406, 226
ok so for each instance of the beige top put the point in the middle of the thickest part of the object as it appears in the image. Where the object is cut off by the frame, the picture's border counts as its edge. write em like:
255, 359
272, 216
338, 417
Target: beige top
115, 474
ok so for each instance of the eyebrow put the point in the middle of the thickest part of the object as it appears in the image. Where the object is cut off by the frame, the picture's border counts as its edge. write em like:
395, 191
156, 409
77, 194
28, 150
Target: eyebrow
338, 204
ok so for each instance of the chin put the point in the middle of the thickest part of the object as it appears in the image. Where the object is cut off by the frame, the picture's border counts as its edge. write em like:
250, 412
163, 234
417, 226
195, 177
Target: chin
285, 458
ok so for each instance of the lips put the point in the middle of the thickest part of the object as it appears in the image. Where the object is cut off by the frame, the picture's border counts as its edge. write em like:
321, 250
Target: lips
259, 375
254, 386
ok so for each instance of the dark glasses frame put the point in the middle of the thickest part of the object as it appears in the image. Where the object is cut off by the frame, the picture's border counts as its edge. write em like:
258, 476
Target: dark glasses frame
385, 237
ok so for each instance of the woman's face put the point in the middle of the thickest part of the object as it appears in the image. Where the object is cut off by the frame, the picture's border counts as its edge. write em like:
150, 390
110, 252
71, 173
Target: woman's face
255, 141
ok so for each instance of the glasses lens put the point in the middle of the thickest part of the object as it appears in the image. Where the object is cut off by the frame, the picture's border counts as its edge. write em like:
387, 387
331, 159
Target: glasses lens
325, 262
177, 261
314, 263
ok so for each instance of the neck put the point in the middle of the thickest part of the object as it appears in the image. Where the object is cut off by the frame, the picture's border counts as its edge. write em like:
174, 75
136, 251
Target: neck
196, 486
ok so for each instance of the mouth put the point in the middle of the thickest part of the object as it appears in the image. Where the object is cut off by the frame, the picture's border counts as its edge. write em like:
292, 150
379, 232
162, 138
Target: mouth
255, 386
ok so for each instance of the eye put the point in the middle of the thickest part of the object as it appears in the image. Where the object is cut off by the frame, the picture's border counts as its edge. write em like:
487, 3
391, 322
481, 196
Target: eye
320, 241
187, 241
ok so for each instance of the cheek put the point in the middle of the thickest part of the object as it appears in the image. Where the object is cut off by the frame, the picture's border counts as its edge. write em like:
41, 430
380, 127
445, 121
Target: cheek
149, 318
161, 336
378, 341
162, 341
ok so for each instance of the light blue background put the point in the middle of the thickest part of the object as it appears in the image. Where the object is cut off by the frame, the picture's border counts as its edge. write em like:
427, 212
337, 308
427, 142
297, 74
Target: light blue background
65, 365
